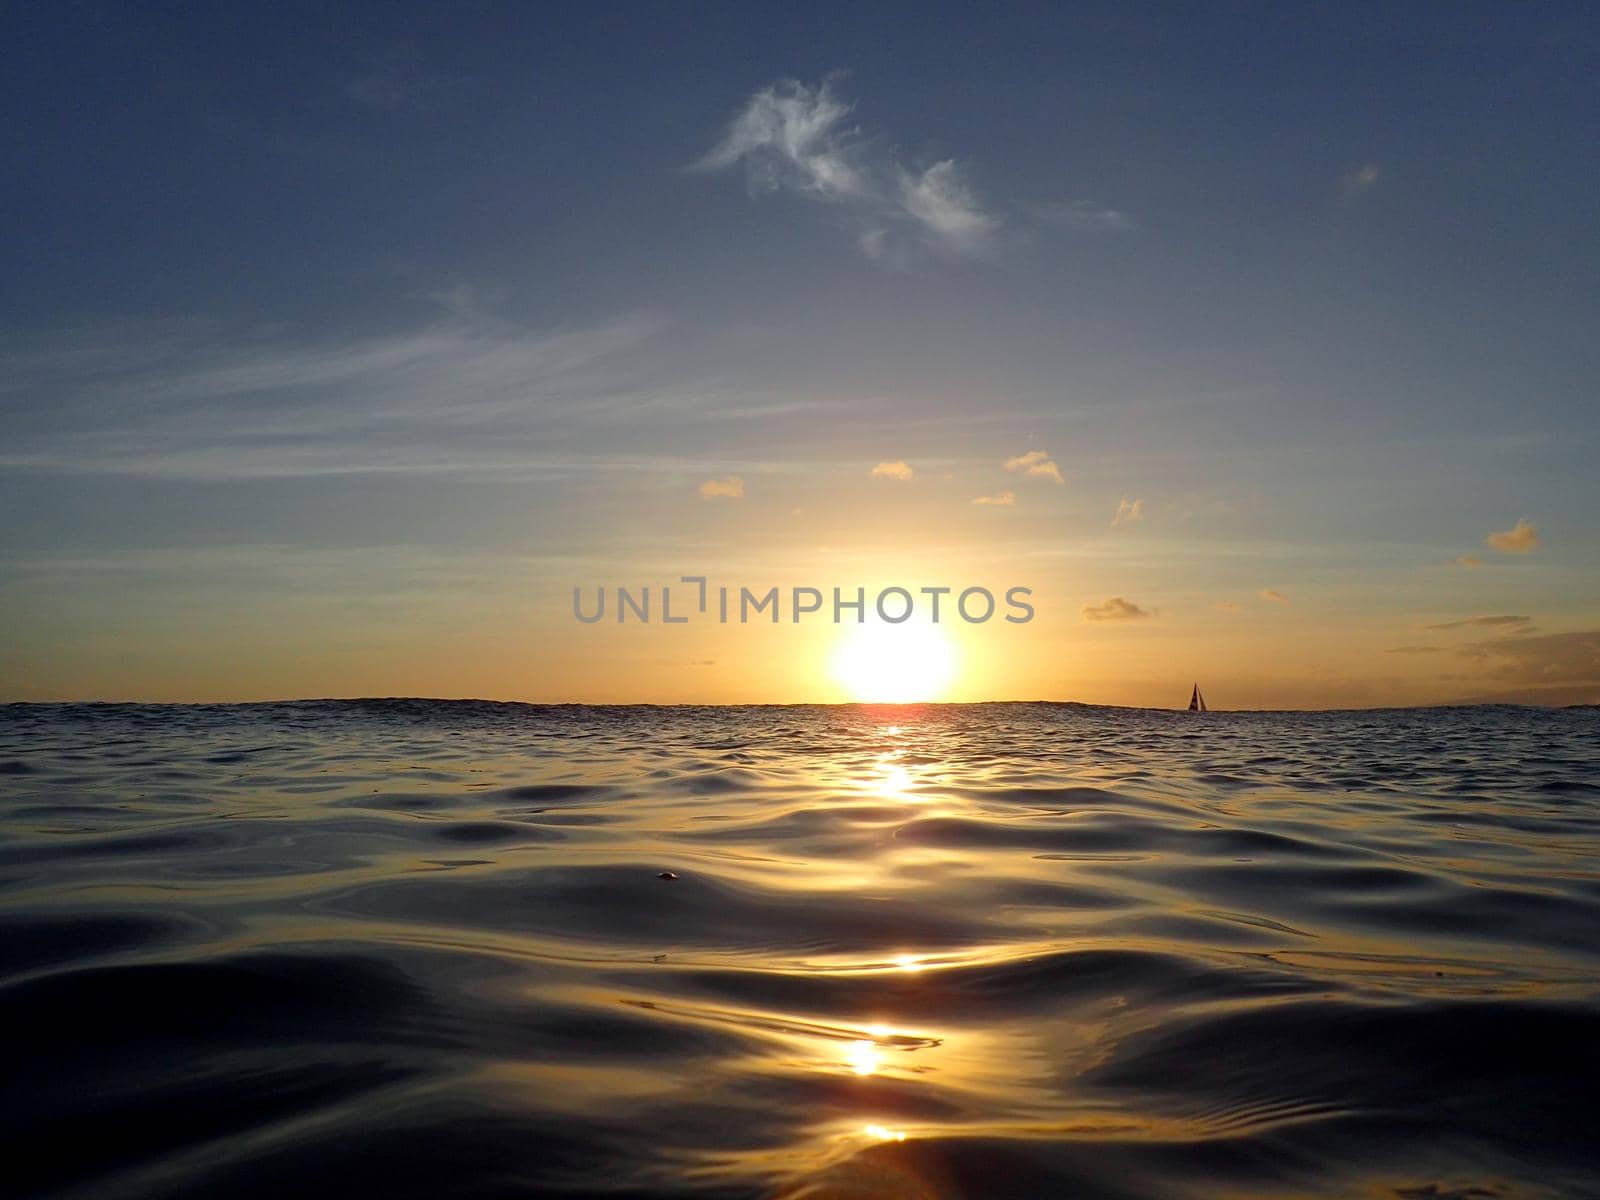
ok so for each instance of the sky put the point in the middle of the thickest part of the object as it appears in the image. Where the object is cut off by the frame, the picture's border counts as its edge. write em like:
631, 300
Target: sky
340, 347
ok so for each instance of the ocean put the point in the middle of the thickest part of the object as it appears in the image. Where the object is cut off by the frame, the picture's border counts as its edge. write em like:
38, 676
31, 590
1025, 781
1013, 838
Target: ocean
438, 949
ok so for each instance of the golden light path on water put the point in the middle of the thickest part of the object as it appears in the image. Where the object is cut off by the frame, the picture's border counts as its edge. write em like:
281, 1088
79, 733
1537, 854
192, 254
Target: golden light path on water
979, 1061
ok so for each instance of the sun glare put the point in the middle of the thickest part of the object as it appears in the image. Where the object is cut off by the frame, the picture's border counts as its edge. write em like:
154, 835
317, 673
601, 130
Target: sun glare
894, 664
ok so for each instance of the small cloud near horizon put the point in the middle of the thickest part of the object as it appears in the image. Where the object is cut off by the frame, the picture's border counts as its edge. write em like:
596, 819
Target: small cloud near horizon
1228, 606
1547, 659
1115, 609
1036, 464
1415, 650
897, 470
1128, 512
731, 488
1521, 538
1484, 622
1467, 560
1000, 500
1274, 596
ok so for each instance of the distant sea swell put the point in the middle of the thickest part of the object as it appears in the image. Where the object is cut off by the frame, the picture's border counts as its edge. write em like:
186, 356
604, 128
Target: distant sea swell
425, 948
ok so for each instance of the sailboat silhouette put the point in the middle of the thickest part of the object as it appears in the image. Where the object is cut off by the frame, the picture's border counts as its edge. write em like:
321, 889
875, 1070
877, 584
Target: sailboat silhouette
1197, 702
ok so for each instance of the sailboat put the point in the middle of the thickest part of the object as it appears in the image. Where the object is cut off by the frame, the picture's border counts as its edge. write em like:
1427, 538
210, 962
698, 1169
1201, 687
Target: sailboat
1197, 702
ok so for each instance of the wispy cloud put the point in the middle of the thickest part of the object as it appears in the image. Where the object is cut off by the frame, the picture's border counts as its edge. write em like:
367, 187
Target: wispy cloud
731, 488
896, 470
200, 400
1084, 216
1274, 596
1415, 650
945, 205
1000, 499
397, 80
1037, 464
1544, 659
1484, 622
790, 135
1128, 512
1115, 609
1228, 606
1467, 560
1360, 179
794, 137
1521, 538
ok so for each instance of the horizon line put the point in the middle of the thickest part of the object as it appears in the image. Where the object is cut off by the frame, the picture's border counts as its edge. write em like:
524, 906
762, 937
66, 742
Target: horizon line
883, 704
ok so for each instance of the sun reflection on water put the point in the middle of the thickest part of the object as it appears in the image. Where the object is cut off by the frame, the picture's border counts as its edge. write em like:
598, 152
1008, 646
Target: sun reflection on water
863, 1057
890, 777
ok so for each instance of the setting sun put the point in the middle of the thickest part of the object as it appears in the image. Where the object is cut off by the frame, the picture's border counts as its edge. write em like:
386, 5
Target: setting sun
894, 664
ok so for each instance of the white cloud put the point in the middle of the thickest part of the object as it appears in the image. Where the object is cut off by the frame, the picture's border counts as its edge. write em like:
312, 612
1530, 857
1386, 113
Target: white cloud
1037, 464
947, 208
1002, 499
789, 136
731, 488
892, 470
1128, 512
1521, 538
792, 136
1115, 609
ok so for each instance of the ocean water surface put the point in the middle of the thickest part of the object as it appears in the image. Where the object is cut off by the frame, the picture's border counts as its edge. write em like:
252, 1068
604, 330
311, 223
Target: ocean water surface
433, 949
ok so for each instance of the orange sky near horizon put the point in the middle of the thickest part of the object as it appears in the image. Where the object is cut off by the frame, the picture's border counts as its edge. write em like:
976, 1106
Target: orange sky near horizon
1098, 635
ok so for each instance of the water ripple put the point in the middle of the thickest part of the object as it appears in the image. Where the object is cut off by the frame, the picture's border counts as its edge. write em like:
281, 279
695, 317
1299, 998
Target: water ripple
418, 948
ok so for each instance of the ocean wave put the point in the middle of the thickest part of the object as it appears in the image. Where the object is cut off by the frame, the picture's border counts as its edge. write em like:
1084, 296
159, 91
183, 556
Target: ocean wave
464, 948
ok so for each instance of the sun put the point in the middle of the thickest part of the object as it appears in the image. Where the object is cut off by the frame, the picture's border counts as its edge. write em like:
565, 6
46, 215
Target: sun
894, 664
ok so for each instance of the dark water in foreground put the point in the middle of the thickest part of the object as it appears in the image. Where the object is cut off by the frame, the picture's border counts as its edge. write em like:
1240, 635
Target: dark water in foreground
403, 949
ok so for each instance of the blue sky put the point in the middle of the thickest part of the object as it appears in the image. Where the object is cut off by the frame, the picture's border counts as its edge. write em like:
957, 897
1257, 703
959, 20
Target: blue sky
336, 339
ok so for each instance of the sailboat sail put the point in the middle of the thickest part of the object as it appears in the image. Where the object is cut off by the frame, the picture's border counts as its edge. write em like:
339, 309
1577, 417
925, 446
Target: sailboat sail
1194, 699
